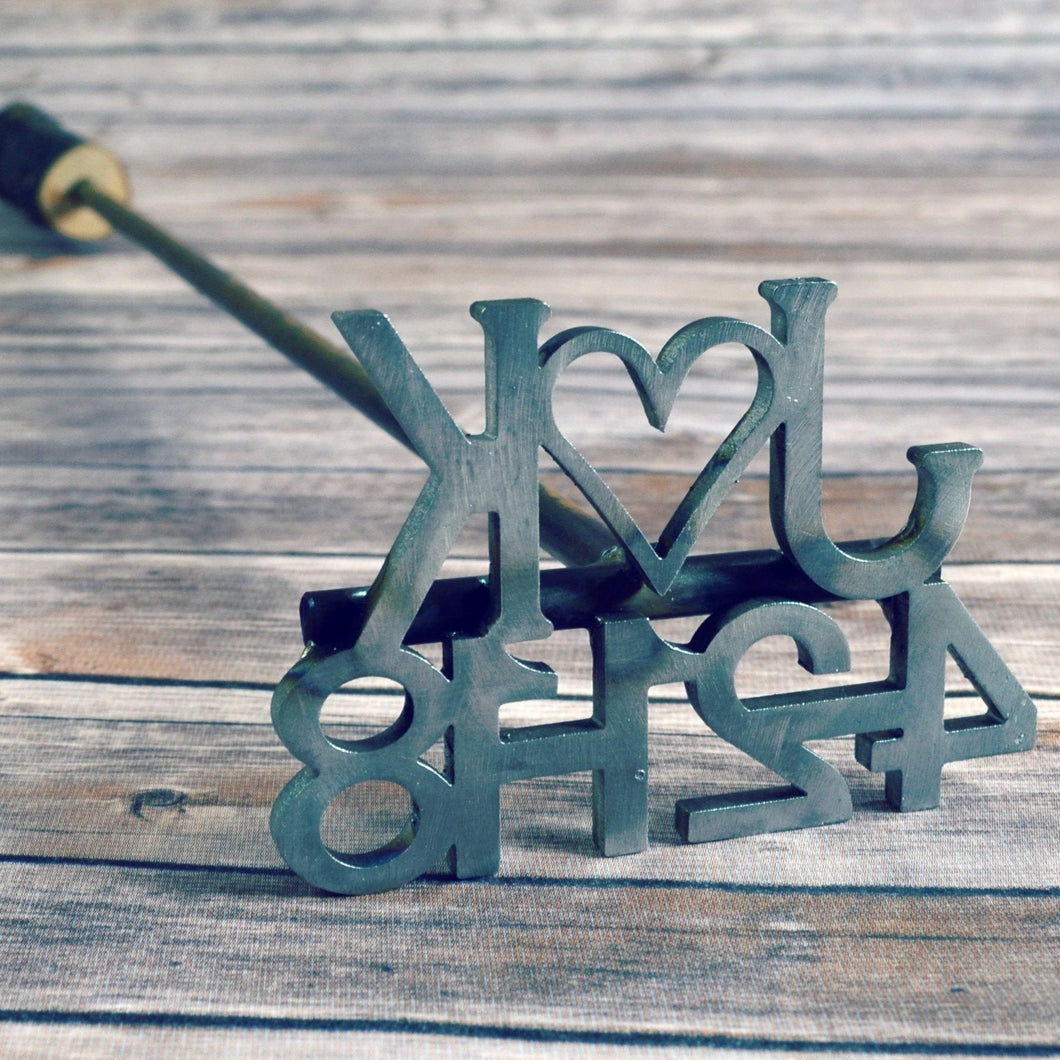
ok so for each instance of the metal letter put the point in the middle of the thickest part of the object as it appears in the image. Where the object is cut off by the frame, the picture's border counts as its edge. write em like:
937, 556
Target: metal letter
899, 722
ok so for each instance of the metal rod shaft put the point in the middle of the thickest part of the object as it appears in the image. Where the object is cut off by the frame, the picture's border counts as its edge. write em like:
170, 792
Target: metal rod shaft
569, 534
571, 599
320, 358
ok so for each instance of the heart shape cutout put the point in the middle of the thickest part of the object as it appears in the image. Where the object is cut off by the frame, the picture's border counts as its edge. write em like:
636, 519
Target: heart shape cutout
658, 383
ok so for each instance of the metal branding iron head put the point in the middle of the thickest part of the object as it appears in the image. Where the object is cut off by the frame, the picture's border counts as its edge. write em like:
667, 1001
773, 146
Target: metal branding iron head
617, 583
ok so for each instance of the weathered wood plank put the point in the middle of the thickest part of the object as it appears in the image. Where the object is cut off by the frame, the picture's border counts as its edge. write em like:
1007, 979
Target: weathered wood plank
873, 106
227, 617
868, 428
44, 1036
138, 700
310, 428
847, 221
307, 510
1011, 142
933, 967
597, 79
187, 775
159, 24
93, 1037
278, 1038
852, 218
883, 340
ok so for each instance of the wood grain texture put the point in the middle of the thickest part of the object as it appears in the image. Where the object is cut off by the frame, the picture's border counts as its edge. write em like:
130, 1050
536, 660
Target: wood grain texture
143, 24
234, 617
943, 965
297, 511
187, 775
169, 488
275, 1039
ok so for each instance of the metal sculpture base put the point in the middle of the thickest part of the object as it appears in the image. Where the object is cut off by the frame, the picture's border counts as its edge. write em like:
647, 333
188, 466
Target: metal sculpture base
899, 722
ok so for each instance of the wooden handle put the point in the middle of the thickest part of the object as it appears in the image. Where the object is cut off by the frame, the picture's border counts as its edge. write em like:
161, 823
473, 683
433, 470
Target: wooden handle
40, 162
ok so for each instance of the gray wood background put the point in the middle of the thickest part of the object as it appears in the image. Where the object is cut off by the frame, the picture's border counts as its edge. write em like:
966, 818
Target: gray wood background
169, 487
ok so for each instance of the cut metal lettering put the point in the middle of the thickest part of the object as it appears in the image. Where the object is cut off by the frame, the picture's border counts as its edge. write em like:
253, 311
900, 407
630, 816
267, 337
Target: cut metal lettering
448, 749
